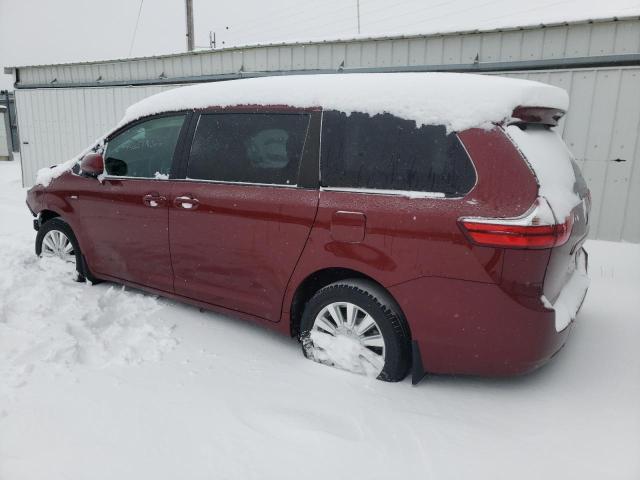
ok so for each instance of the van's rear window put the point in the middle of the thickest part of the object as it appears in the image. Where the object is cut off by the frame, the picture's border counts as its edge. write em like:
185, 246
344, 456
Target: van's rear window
389, 153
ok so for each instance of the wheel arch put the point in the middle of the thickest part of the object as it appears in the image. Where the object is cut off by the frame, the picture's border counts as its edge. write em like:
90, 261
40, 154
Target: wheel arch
320, 279
54, 210
46, 215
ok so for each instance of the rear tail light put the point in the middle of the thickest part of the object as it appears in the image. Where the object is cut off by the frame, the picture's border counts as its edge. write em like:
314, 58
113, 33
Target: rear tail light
538, 228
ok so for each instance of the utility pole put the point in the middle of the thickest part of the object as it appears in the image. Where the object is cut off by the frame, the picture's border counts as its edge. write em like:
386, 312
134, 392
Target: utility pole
358, 10
190, 36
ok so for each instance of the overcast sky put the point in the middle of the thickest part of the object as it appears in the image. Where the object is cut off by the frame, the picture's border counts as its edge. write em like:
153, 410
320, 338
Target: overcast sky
47, 31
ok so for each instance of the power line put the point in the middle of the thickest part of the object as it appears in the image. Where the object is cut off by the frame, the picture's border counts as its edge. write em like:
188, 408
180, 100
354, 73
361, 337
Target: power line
539, 7
484, 22
302, 27
275, 25
431, 16
284, 15
343, 21
394, 20
135, 30
276, 22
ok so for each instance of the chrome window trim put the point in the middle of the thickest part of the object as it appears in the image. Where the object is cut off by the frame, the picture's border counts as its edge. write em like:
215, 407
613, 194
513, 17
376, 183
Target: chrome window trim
410, 194
224, 182
128, 177
196, 180
473, 164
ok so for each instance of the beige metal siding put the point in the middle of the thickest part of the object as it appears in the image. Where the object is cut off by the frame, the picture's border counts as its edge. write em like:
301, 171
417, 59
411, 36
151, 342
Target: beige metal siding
56, 124
602, 126
555, 42
4, 134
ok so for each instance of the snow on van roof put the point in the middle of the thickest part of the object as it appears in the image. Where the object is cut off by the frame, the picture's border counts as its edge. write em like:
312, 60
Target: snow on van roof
456, 100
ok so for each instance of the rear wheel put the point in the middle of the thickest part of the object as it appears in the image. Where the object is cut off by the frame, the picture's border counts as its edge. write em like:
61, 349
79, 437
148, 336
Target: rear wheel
355, 325
55, 239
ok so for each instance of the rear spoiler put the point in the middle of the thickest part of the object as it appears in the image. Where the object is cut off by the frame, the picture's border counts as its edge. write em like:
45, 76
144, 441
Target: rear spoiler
539, 115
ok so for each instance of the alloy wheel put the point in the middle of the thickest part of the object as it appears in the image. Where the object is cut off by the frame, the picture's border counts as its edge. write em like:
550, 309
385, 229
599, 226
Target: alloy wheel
56, 244
344, 323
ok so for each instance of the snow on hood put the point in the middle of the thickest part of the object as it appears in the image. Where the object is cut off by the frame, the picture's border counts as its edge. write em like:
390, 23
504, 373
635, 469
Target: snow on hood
44, 176
456, 100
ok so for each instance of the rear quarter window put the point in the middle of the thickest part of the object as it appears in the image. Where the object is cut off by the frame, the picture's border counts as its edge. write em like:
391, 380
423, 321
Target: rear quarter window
389, 153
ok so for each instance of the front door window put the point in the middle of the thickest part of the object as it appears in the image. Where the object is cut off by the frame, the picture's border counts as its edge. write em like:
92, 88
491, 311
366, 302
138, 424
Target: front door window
145, 150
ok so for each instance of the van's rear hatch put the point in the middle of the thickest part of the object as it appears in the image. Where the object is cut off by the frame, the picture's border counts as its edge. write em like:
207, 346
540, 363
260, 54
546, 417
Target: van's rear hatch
562, 185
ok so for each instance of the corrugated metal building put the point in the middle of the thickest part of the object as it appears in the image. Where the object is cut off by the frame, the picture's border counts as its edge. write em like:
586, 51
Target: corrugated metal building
4, 134
62, 108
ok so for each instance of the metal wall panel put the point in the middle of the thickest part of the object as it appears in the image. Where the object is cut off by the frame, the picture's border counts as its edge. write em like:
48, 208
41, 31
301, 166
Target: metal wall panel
56, 124
4, 133
602, 130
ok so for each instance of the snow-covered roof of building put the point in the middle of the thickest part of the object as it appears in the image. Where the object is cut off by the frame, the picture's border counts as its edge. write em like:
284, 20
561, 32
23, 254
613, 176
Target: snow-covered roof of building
455, 100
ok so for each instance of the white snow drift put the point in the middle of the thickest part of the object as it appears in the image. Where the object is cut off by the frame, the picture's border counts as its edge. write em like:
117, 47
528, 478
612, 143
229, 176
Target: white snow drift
48, 321
229, 400
48, 318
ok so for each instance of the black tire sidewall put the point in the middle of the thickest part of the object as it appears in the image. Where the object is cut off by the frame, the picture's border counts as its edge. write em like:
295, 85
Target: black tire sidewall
61, 226
384, 311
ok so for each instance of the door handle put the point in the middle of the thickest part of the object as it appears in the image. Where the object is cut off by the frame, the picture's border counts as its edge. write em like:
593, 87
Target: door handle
154, 200
187, 202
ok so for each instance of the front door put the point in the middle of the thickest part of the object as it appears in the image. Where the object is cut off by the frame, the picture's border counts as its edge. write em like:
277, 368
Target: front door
124, 216
239, 221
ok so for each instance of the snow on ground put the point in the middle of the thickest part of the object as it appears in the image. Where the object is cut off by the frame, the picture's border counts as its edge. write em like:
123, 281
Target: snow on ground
104, 383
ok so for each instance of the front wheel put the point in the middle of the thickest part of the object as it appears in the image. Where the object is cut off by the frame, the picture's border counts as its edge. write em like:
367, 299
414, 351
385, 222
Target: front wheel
56, 239
355, 325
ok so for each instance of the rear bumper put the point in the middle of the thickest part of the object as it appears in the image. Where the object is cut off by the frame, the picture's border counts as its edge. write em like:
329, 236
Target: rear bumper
472, 328
571, 297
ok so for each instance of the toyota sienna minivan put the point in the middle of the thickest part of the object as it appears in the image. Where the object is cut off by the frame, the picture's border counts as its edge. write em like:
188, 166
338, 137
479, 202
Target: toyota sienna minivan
430, 223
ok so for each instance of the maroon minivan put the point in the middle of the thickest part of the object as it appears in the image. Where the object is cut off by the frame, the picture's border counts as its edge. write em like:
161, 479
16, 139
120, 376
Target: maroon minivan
382, 244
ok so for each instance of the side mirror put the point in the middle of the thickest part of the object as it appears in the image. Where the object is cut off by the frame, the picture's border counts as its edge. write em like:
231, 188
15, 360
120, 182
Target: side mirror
92, 164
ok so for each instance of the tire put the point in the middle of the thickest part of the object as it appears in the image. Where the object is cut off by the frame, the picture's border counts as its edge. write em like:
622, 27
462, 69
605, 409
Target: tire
57, 224
371, 299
